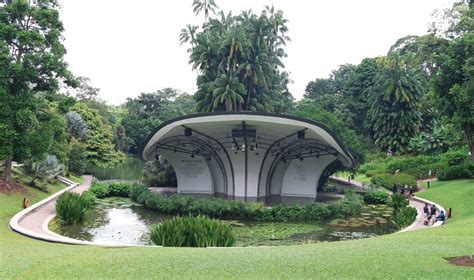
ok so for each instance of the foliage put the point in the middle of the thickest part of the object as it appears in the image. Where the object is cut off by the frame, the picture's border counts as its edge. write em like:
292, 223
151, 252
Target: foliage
403, 217
398, 201
159, 174
31, 60
376, 196
394, 114
46, 169
388, 181
199, 231
355, 143
438, 140
100, 150
76, 126
120, 189
228, 209
239, 62
453, 81
100, 190
461, 171
71, 207
148, 110
77, 160
417, 166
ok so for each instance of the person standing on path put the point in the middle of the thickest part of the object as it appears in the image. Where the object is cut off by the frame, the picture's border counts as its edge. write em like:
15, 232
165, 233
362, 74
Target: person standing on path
426, 214
433, 211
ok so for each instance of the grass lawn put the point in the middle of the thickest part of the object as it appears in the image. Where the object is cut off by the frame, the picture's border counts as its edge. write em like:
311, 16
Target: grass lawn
407, 255
359, 177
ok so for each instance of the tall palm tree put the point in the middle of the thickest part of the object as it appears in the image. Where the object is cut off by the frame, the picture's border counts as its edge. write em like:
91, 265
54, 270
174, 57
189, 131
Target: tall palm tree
188, 34
395, 103
206, 6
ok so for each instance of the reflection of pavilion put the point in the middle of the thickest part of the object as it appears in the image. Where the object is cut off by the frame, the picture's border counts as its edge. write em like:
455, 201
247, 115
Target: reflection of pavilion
243, 155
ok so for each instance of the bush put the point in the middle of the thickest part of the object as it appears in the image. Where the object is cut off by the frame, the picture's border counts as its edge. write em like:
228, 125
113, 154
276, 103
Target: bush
398, 201
191, 231
376, 196
403, 217
100, 190
227, 209
387, 180
462, 171
121, 189
71, 207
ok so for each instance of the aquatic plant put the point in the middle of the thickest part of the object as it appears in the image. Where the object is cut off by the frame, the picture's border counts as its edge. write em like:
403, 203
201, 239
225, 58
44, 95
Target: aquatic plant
191, 231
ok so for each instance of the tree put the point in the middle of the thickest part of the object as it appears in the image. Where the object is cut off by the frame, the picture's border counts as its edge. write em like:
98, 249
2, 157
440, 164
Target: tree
394, 114
453, 81
32, 60
188, 34
239, 59
148, 110
205, 6
100, 150
84, 90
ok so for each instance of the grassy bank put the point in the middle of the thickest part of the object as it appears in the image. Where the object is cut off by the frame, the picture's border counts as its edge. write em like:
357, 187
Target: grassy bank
408, 255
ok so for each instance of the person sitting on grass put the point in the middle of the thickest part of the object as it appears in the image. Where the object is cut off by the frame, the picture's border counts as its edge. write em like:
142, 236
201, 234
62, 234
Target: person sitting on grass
441, 217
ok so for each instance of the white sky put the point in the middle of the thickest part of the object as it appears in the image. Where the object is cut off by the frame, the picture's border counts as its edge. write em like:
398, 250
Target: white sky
129, 47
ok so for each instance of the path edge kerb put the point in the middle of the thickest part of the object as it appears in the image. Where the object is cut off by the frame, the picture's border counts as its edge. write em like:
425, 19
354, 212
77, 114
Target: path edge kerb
14, 223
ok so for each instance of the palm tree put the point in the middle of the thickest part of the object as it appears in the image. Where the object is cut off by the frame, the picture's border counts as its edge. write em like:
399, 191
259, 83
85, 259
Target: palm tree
395, 103
206, 6
228, 91
188, 34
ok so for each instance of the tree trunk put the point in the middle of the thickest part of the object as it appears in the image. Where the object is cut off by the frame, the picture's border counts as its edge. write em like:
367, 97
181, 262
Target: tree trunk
7, 173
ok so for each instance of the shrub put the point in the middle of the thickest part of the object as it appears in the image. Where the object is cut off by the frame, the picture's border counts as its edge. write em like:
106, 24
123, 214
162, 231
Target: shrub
403, 217
387, 180
227, 209
376, 196
462, 171
71, 207
191, 231
398, 201
121, 189
100, 190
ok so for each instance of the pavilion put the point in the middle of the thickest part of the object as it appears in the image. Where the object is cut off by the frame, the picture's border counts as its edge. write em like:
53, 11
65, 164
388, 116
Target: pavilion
246, 155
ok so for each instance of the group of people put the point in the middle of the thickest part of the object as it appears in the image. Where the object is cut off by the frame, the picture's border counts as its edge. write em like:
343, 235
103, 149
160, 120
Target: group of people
405, 190
429, 213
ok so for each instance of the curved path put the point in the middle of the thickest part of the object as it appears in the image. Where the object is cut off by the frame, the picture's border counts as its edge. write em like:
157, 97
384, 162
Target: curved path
33, 221
416, 202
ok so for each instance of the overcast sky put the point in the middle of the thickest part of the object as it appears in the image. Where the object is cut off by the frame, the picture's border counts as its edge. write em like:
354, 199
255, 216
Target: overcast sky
129, 47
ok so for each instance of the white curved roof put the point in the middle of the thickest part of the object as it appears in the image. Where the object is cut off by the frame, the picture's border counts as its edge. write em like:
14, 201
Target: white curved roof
271, 127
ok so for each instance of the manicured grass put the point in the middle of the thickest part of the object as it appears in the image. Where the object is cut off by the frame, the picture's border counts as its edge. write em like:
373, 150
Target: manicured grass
359, 177
406, 255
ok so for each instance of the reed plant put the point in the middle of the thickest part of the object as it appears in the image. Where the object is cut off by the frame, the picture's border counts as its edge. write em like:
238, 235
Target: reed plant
71, 207
189, 231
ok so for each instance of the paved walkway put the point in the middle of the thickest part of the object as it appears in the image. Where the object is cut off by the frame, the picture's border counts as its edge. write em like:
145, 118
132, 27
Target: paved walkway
418, 224
35, 219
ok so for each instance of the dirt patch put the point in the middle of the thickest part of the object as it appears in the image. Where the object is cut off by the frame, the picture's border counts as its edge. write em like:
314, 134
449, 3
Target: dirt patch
463, 261
12, 187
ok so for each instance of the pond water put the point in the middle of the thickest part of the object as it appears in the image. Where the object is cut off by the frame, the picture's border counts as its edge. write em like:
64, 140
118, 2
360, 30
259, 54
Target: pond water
130, 169
121, 221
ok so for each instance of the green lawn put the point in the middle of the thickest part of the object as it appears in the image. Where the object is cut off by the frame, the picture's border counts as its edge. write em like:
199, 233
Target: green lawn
407, 255
359, 177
